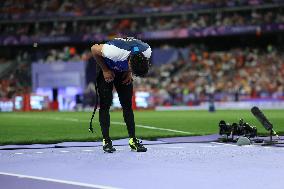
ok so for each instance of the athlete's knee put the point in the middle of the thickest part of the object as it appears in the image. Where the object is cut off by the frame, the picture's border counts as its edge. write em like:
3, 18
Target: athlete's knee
104, 107
127, 109
105, 101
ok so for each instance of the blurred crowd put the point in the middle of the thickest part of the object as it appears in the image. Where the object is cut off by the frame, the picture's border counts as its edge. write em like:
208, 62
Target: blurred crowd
65, 54
16, 77
231, 75
237, 74
135, 26
21, 9
15, 72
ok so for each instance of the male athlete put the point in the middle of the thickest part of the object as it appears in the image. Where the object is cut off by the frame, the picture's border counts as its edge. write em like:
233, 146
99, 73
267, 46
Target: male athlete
117, 61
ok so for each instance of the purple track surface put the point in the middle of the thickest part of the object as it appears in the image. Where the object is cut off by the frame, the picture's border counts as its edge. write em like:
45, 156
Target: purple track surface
27, 183
121, 142
205, 138
178, 165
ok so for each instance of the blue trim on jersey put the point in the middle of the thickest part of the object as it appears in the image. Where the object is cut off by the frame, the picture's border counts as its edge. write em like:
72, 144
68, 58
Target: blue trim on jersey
128, 45
118, 66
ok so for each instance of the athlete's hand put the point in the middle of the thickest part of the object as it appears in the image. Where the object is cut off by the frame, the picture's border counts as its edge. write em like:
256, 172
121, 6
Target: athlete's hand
108, 75
127, 78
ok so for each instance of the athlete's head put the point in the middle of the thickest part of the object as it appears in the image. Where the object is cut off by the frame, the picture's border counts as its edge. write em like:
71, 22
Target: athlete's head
139, 63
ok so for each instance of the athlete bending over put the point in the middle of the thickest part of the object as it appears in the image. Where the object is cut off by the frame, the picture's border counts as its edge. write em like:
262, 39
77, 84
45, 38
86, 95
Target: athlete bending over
117, 61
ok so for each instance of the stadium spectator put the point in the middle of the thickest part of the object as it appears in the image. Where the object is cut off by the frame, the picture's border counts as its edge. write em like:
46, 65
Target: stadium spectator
252, 73
137, 25
249, 73
233, 74
31, 9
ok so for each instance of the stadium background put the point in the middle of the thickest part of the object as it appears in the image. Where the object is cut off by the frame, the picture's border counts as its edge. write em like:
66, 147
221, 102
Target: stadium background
226, 53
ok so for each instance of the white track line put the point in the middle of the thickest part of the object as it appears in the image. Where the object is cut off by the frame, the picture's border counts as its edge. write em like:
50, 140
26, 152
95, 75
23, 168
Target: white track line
267, 147
39, 152
226, 144
174, 147
87, 150
112, 122
219, 143
207, 146
151, 127
223, 144
247, 146
64, 151
232, 145
19, 153
59, 181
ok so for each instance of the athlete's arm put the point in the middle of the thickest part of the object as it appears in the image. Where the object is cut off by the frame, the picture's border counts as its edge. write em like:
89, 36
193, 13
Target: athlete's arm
97, 53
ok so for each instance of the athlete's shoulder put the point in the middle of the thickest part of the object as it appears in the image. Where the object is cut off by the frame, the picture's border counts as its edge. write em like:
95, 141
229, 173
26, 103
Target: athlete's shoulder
128, 43
120, 43
138, 41
120, 48
144, 47
115, 50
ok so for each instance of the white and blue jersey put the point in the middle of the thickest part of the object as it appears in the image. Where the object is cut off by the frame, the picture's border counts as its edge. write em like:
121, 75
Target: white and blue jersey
117, 51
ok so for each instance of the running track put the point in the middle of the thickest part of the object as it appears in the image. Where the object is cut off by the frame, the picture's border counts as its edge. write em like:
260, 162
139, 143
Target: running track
179, 165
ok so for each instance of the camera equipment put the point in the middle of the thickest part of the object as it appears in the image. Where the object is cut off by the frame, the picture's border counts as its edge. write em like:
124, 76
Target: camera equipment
225, 129
261, 118
265, 123
237, 129
244, 129
248, 130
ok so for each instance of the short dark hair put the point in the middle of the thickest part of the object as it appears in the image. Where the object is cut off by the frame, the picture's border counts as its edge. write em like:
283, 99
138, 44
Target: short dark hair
139, 64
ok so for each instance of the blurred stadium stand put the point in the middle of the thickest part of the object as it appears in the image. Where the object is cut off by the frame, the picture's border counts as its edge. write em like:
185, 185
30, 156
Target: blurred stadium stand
232, 48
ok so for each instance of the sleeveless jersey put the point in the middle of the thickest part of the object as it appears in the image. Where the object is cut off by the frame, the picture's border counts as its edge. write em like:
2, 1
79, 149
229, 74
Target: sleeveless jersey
117, 51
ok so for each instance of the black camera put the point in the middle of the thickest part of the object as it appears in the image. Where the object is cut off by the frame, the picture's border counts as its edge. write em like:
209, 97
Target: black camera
248, 130
225, 128
237, 129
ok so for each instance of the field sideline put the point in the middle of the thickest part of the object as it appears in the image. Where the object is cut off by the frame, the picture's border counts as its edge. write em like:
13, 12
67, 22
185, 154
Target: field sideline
54, 127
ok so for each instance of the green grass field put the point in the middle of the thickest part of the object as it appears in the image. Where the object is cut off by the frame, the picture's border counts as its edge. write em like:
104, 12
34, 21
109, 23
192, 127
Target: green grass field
53, 127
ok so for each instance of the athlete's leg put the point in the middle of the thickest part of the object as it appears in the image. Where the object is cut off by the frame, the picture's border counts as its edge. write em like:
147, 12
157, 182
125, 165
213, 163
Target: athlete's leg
105, 96
125, 93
